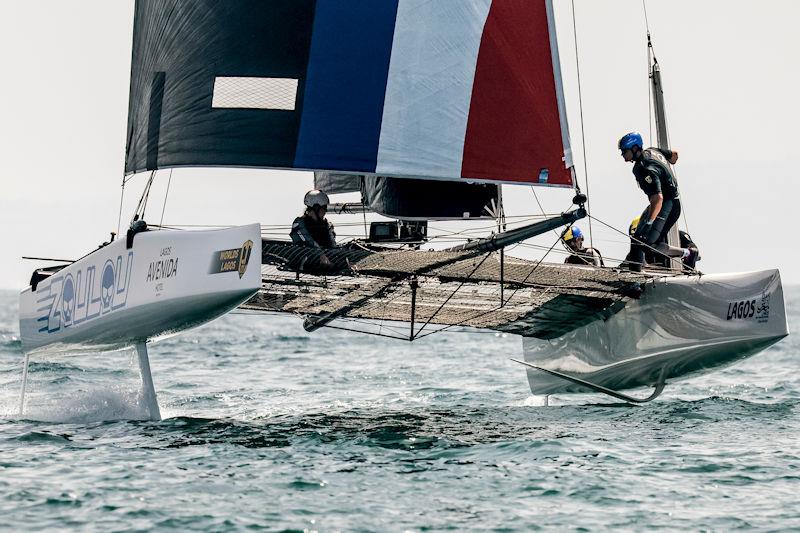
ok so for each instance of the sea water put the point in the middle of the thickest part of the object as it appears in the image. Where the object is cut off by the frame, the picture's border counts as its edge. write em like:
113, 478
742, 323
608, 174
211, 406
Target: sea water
268, 427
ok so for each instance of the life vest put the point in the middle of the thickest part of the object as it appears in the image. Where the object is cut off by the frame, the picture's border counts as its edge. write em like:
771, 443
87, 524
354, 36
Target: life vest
669, 184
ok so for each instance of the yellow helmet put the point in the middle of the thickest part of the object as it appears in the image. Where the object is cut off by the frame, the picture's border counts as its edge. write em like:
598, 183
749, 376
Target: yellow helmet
572, 233
634, 225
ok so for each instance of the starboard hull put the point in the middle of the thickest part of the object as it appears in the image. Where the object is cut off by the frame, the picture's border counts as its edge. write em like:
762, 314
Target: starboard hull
687, 325
166, 282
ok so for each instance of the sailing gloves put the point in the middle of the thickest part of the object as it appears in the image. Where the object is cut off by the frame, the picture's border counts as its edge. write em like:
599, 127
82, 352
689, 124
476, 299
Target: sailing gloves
643, 231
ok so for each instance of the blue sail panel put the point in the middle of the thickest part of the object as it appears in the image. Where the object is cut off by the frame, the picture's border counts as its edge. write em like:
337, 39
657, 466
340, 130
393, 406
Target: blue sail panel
345, 85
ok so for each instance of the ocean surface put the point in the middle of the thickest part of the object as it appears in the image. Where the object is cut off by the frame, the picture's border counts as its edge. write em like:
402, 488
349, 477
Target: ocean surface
268, 427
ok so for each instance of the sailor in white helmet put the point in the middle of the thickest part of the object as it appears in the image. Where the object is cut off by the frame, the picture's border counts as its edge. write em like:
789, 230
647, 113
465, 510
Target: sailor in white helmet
312, 228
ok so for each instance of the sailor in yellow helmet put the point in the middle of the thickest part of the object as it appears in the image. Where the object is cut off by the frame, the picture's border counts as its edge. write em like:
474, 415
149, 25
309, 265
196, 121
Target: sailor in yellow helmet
573, 239
685, 241
632, 254
634, 225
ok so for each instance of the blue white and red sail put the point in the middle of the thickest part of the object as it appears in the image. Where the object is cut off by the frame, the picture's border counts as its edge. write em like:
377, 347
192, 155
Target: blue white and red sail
448, 90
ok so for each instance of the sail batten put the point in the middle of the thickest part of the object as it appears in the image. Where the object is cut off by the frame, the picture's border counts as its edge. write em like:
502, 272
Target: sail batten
445, 90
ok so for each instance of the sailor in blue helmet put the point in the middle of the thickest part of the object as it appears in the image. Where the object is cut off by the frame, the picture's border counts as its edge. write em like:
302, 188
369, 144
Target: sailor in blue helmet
573, 239
654, 176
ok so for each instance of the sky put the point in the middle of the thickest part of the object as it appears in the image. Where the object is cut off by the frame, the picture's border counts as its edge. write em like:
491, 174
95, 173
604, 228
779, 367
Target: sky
730, 85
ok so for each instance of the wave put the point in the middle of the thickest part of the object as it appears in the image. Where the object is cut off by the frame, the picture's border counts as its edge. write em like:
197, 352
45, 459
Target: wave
88, 406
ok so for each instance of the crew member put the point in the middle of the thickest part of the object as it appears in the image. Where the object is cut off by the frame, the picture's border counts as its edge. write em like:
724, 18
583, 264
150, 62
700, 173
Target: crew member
312, 228
579, 255
648, 253
654, 176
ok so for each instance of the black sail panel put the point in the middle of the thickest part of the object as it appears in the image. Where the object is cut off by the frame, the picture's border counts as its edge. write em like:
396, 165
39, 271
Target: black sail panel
414, 199
182, 49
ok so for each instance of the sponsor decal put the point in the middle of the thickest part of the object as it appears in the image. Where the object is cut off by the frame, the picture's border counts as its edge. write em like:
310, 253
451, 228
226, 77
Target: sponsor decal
741, 309
756, 308
164, 267
80, 295
762, 312
233, 260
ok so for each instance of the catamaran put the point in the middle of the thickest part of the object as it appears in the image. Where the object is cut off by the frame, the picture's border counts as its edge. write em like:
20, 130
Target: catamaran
427, 109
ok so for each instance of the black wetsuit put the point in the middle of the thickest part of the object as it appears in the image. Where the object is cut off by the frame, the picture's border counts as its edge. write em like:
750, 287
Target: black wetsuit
310, 232
585, 256
654, 176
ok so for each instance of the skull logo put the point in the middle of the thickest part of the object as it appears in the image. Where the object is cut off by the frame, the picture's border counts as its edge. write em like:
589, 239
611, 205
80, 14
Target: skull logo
68, 300
107, 296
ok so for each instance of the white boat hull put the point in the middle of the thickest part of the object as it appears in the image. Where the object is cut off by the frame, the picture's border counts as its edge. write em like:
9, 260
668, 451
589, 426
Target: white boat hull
686, 324
166, 282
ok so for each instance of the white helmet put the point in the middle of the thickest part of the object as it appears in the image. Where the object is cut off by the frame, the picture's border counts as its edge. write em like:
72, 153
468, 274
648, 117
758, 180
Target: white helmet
316, 197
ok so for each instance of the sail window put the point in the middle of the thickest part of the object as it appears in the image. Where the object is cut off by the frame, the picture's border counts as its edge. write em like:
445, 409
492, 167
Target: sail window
254, 93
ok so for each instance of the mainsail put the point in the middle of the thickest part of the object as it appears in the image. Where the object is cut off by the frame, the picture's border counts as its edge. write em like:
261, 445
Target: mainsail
446, 90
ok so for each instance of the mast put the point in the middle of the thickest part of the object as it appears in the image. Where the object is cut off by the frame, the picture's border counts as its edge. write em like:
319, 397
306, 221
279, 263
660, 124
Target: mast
660, 115
658, 105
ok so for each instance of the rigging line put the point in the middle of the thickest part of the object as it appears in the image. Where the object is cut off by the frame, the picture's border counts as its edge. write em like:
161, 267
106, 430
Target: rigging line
493, 226
651, 56
48, 259
606, 257
121, 198
368, 322
453, 293
488, 226
557, 234
166, 194
649, 91
583, 132
651, 59
145, 195
510, 298
536, 196
367, 332
126, 179
692, 269
525, 280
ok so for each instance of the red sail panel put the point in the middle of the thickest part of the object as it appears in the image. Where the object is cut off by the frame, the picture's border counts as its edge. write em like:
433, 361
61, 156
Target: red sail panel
513, 129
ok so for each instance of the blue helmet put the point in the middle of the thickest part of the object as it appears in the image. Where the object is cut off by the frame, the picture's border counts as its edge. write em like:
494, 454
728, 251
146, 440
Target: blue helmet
573, 233
629, 140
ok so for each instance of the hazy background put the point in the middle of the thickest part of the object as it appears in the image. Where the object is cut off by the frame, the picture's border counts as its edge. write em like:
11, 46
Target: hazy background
730, 77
